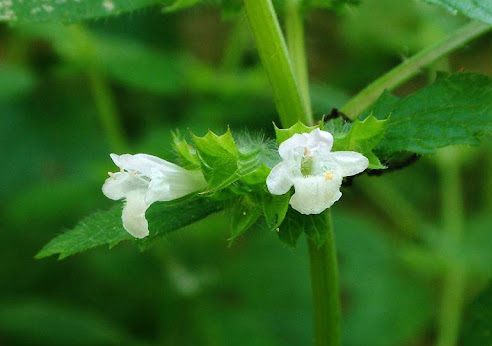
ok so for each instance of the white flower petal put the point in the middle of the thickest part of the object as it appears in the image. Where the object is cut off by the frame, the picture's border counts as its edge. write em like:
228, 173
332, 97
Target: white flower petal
278, 181
322, 139
350, 162
314, 194
170, 187
293, 146
133, 215
147, 179
147, 165
118, 185
306, 143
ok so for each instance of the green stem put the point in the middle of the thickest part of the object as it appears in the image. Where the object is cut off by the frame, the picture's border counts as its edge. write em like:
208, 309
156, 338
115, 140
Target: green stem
324, 282
235, 46
454, 284
103, 97
412, 66
323, 259
294, 26
275, 59
106, 110
292, 100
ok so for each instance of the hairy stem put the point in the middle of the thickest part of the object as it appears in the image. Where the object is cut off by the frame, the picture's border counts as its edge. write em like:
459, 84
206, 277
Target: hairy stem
454, 283
275, 59
411, 66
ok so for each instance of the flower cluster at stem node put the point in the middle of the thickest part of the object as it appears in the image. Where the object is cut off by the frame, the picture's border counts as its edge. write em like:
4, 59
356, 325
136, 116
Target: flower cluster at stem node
314, 170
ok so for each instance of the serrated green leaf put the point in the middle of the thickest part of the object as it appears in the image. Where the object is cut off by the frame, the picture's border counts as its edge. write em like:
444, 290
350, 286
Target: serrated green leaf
66, 11
284, 134
454, 110
477, 9
244, 214
314, 226
275, 209
187, 154
224, 162
106, 228
291, 229
256, 157
219, 159
362, 137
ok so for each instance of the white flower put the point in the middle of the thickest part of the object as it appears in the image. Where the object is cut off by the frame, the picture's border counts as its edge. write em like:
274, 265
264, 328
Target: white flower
314, 170
143, 180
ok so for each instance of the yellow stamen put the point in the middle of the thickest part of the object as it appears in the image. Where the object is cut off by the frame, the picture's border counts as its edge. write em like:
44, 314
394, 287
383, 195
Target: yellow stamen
328, 175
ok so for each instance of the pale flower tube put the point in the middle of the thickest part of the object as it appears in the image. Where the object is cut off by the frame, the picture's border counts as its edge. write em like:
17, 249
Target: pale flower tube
143, 180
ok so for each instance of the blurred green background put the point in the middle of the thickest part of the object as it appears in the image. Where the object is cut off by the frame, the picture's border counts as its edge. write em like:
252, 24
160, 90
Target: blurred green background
71, 95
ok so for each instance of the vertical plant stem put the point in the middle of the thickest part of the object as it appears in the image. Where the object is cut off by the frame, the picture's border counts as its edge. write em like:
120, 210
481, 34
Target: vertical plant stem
323, 259
411, 66
292, 98
103, 97
106, 109
454, 283
236, 43
294, 26
275, 59
324, 282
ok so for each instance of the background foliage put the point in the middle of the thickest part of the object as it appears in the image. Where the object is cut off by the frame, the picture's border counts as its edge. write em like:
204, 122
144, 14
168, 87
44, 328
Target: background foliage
198, 70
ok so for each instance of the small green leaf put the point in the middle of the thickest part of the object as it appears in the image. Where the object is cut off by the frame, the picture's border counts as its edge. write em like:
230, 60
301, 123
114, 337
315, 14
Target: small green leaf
284, 134
187, 154
291, 229
244, 214
256, 157
275, 209
224, 162
67, 11
314, 226
454, 110
219, 159
477, 9
106, 228
362, 137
